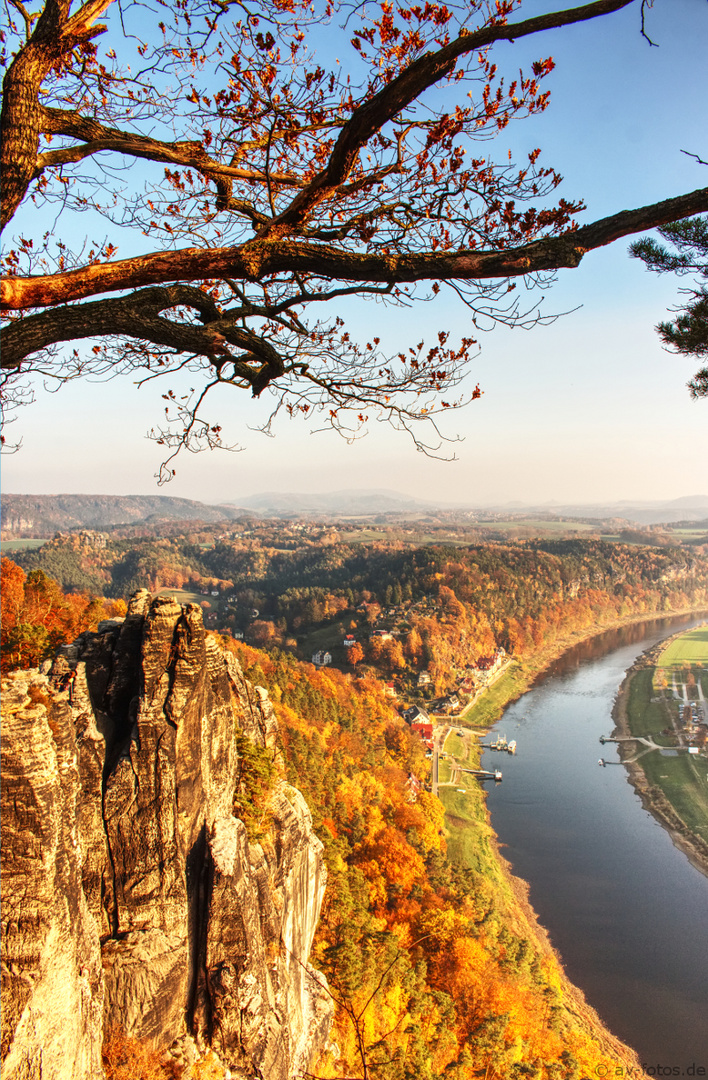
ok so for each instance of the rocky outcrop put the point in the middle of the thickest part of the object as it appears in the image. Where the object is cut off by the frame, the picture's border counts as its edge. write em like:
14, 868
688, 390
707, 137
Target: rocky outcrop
132, 897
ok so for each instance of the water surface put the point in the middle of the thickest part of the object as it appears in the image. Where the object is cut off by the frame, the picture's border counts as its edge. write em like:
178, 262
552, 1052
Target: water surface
624, 907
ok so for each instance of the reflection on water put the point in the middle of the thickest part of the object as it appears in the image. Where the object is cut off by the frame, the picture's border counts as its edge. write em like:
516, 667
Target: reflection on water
624, 907
644, 633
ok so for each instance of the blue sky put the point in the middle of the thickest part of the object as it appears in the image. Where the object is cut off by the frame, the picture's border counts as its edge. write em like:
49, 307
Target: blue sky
589, 408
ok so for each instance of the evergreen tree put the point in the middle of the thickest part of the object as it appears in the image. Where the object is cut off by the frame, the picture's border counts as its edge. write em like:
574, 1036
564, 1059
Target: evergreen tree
688, 333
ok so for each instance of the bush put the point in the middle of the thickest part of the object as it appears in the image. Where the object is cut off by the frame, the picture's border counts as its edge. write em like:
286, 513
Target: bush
126, 1058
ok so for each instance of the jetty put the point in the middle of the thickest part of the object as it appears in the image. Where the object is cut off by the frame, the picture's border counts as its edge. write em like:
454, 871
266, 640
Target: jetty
501, 744
484, 774
647, 742
634, 738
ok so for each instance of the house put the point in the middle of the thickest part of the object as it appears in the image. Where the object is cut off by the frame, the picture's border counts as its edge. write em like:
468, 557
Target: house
424, 679
349, 641
381, 635
390, 689
414, 786
238, 635
321, 658
415, 714
425, 730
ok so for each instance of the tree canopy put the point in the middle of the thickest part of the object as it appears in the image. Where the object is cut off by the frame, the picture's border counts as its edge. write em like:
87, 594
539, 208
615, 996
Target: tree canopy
253, 181
688, 332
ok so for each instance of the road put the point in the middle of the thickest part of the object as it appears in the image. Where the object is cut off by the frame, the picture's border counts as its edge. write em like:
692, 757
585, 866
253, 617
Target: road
439, 736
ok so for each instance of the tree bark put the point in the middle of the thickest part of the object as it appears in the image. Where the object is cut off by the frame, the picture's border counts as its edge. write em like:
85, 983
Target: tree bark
259, 259
54, 36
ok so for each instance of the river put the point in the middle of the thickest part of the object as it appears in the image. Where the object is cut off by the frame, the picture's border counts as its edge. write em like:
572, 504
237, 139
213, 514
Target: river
624, 908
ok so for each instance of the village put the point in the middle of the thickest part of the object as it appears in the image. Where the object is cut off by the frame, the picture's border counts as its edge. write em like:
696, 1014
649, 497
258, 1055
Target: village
420, 714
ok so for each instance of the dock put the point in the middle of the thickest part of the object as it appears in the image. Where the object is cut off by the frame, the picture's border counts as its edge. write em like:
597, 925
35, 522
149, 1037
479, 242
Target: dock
484, 774
501, 744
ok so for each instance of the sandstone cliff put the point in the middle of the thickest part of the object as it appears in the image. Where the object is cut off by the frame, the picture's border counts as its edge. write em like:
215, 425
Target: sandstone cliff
132, 897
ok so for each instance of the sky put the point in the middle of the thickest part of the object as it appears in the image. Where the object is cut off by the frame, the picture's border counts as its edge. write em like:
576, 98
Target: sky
587, 409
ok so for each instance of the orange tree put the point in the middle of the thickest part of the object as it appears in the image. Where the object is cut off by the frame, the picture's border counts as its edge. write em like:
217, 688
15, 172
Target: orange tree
256, 183
36, 616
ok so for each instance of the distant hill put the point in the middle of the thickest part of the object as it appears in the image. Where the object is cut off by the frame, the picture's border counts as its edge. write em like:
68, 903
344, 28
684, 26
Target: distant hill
350, 502
30, 516
43, 515
689, 508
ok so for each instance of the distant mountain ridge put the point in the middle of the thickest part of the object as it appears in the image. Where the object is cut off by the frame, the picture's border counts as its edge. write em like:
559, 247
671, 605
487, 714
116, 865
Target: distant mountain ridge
43, 515
689, 508
349, 502
27, 516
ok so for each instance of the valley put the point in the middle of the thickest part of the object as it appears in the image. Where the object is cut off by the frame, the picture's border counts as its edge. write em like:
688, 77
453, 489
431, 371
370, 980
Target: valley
433, 958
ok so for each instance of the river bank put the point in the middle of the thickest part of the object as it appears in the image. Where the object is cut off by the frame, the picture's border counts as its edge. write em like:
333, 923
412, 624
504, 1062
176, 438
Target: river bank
473, 843
463, 848
652, 797
523, 675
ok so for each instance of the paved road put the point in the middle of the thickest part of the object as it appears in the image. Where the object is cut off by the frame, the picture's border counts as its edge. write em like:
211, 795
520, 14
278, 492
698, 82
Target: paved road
439, 736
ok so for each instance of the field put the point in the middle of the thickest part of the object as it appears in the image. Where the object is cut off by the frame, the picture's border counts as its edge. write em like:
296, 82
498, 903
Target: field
456, 535
539, 527
684, 781
690, 648
652, 706
8, 546
455, 746
488, 707
183, 596
470, 838
647, 716
444, 771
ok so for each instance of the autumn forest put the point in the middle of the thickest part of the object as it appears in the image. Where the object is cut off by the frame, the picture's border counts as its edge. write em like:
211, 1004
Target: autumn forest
434, 963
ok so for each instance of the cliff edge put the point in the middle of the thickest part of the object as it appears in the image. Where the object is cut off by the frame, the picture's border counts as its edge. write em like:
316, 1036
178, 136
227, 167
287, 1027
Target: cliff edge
132, 896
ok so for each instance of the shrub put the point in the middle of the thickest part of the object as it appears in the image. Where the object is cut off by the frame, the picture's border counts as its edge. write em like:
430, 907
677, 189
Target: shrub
126, 1058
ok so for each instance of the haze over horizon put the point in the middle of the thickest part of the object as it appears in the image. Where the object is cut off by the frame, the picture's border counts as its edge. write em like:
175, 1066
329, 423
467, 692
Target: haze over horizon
366, 500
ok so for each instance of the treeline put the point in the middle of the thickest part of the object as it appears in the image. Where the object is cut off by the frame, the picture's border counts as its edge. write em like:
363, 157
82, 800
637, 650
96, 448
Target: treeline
37, 616
444, 607
431, 965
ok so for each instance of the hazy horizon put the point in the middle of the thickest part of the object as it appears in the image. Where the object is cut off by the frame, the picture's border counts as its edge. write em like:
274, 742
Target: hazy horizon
694, 499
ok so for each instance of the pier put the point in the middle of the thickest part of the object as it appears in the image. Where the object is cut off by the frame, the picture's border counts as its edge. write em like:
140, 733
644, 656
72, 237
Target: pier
483, 774
634, 738
647, 742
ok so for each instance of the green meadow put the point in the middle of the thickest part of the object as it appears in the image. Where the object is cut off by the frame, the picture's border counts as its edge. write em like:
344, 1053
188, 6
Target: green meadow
652, 707
689, 648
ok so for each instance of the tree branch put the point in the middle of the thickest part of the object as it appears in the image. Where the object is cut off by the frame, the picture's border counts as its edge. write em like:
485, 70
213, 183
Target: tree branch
257, 260
138, 316
54, 35
419, 76
98, 137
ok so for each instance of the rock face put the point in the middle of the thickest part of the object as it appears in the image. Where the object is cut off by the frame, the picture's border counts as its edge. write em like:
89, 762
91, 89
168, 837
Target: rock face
132, 897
